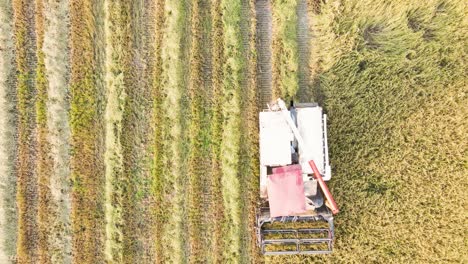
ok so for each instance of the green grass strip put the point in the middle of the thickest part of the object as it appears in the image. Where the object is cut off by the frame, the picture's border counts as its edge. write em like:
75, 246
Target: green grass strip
8, 211
285, 53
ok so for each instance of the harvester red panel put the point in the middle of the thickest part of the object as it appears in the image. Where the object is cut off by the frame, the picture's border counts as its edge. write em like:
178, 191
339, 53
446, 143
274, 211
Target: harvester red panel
286, 191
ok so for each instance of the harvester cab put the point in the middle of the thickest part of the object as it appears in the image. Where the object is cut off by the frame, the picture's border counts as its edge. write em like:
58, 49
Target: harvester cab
294, 166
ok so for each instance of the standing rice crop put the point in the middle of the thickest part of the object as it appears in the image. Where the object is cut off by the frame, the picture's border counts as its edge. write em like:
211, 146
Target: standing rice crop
8, 130
27, 194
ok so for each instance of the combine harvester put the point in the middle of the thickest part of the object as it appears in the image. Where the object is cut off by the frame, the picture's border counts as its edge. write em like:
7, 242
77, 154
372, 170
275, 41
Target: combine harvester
294, 167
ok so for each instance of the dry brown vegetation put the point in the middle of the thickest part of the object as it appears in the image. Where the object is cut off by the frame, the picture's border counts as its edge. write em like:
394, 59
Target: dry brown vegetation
27, 189
87, 132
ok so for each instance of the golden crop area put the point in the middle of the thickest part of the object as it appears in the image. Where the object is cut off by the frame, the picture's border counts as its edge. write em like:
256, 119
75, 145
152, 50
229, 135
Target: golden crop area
129, 128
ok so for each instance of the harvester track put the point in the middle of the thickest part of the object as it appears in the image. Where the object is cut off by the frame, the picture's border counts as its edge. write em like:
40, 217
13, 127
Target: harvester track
303, 46
264, 38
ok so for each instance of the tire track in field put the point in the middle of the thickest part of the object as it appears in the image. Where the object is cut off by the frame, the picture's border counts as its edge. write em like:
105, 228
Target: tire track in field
87, 130
8, 135
263, 47
253, 105
303, 50
43, 164
27, 193
57, 67
244, 171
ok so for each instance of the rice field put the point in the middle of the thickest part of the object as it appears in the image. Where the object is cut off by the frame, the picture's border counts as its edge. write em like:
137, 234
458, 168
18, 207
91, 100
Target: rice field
129, 129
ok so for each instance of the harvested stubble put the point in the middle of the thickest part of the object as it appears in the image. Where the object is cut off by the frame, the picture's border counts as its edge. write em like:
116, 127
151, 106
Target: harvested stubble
142, 76
27, 193
43, 164
87, 131
199, 191
217, 208
234, 69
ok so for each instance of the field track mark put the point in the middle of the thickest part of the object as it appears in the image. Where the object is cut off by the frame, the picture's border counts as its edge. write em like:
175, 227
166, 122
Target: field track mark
57, 66
8, 136
244, 172
27, 193
252, 108
303, 47
43, 163
264, 40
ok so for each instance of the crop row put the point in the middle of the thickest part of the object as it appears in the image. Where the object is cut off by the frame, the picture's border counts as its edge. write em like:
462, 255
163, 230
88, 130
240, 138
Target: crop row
217, 205
87, 130
234, 69
27, 193
142, 70
199, 204
252, 108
